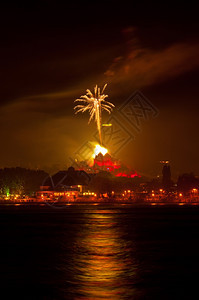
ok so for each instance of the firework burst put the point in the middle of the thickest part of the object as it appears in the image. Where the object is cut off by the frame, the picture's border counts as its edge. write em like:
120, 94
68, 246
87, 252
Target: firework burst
94, 103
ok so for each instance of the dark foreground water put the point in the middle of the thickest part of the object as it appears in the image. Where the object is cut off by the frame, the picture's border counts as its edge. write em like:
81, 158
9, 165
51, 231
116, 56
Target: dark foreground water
99, 252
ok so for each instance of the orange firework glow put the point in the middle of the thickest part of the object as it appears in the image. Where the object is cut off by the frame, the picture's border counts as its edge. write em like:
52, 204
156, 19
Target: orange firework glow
99, 149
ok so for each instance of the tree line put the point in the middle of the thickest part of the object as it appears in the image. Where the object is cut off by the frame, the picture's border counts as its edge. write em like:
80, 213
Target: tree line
20, 180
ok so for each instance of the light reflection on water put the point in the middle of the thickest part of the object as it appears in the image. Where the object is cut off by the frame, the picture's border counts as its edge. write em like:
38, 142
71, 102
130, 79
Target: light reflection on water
99, 252
103, 266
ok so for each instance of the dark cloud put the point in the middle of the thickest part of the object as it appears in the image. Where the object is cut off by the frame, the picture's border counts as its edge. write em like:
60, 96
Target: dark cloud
143, 67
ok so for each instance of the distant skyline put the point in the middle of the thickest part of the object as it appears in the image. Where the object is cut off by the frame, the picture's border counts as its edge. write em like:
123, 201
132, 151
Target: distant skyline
52, 52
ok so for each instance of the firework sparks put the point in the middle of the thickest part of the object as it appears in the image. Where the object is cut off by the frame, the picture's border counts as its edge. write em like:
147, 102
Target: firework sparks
94, 103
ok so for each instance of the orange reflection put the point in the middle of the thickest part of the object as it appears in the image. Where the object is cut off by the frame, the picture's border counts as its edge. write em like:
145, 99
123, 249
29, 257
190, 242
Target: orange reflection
104, 265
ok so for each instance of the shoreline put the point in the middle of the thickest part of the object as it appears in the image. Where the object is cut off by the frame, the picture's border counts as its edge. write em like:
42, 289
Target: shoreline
122, 202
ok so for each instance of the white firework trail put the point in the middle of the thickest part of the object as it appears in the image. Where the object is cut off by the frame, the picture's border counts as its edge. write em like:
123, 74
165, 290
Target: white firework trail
94, 103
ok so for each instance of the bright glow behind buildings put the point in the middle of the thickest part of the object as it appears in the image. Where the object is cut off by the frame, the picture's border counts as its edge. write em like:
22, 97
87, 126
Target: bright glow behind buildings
99, 149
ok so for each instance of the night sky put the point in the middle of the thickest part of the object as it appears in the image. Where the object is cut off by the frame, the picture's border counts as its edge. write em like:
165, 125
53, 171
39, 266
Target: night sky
52, 52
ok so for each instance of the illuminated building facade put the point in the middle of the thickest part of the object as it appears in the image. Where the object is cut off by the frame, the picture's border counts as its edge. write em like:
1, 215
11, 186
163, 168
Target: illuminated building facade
64, 185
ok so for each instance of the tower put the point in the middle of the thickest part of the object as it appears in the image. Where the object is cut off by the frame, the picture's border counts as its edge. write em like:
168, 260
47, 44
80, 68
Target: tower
166, 175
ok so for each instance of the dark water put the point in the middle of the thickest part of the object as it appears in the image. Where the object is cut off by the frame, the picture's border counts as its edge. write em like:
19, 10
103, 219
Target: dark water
99, 252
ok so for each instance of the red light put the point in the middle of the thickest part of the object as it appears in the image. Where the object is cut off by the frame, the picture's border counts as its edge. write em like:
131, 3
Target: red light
122, 174
107, 163
113, 167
